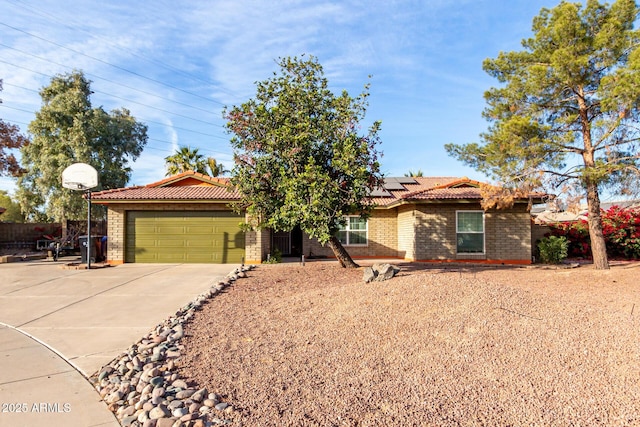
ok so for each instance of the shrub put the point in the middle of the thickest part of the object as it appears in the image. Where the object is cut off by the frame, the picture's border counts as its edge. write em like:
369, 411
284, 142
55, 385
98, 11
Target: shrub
621, 230
553, 249
275, 257
577, 235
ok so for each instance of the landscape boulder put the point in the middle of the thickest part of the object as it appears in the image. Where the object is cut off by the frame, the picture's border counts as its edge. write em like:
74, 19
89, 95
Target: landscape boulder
379, 272
369, 275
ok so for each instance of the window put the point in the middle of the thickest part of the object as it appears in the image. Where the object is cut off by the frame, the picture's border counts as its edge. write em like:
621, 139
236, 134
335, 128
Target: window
470, 232
354, 232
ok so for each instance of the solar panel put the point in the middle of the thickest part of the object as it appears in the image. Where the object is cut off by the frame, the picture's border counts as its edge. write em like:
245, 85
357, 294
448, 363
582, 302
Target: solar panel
380, 192
392, 184
406, 180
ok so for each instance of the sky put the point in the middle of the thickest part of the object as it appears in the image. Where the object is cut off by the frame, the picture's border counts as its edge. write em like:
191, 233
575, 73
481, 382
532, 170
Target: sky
176, 64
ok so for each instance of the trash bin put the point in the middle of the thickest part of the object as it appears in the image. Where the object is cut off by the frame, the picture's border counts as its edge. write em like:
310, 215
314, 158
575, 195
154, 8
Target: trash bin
103, 248
95, 248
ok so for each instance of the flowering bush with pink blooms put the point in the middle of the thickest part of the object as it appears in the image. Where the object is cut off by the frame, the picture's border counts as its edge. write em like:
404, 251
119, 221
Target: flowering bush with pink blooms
621, 229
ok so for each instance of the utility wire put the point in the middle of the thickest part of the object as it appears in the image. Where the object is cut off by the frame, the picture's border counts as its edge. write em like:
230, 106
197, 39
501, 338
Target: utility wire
128, 100
166, 150
142, 119
111, 65
103, 78
50, 16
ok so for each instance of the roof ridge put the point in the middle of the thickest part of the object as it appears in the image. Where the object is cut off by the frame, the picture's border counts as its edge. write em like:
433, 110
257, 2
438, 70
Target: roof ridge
189, 174
116, 190
424, 190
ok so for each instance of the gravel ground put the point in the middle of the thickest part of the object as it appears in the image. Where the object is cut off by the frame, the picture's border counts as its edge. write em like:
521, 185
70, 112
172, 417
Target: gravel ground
314, 346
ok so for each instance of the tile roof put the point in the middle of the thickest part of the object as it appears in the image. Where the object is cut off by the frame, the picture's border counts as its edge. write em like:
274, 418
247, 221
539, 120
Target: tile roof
446, 193
184, 193
421, 184
204, 179
394, 191
170, 189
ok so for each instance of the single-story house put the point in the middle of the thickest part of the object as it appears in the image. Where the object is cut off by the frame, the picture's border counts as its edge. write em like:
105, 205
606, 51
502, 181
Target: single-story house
188, 218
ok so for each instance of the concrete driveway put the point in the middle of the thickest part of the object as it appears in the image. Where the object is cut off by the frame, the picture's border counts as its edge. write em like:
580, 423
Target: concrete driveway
84, 319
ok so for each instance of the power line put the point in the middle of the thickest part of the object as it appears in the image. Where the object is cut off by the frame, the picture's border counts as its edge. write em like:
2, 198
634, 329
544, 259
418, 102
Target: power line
111, 65
204, 149
141, 119
107, 94
103, 78
50, 16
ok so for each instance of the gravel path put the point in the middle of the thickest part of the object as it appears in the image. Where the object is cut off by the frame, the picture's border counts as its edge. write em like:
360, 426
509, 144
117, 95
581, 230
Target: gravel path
314, 346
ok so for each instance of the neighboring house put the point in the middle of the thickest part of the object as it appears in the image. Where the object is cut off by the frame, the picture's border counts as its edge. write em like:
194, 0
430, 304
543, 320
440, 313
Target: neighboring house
187, 218
544, 215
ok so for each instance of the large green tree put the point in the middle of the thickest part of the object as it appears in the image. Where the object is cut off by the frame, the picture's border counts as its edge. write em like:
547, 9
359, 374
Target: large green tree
299, 157
67, 130
10, 139
185, 159
566, 113
12, 212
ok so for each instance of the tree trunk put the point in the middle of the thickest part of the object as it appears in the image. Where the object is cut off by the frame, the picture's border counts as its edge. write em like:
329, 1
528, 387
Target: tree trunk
341, 254
598, 246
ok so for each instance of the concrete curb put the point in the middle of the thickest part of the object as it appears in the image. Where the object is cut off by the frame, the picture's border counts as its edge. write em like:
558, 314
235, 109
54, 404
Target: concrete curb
19, 258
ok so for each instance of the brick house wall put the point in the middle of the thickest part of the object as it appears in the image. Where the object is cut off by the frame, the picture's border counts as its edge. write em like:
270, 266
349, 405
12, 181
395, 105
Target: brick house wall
257, 246
435, 232
382, 233
116, 230
406, 232
507, 233
422, 232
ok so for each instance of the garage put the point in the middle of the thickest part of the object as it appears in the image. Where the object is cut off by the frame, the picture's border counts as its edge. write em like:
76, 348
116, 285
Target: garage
184, 237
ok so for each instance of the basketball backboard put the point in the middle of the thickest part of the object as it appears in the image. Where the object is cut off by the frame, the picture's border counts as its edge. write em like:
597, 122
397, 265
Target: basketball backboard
79, 176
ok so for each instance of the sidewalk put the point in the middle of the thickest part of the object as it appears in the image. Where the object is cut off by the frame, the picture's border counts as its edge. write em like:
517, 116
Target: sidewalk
38, 387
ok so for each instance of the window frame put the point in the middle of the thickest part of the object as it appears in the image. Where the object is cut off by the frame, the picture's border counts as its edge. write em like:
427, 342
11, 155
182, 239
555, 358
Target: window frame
483, 232
347, 229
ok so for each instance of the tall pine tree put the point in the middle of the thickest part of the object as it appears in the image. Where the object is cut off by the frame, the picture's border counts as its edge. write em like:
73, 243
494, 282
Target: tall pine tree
567, 110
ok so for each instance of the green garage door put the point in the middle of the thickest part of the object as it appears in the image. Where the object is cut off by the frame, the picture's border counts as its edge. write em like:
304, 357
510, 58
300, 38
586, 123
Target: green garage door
184, 237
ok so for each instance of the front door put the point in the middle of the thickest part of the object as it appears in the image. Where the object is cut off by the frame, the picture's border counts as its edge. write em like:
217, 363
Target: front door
289, 243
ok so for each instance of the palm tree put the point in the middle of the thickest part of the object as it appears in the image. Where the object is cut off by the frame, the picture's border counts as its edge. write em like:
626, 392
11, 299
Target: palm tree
185, 159
412, 173
215, 168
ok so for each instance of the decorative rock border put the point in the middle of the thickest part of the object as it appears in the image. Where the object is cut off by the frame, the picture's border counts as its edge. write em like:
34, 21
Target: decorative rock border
141, 386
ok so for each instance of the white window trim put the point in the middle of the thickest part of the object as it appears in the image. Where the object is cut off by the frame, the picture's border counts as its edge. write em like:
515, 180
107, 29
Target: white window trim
347, 229
484, 233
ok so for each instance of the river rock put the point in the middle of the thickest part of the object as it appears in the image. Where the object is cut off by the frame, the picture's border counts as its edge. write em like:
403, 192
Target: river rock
179, 412
181, 384
160, 411
165, 422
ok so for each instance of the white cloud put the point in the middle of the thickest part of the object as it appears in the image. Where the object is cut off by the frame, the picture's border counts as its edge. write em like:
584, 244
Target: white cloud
424, 55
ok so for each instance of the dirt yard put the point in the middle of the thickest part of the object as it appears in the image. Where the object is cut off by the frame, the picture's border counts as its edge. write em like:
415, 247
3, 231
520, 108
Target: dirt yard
314, 346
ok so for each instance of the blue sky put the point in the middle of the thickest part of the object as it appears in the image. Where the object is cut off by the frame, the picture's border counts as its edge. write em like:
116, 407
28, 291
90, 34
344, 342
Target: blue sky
175, 64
